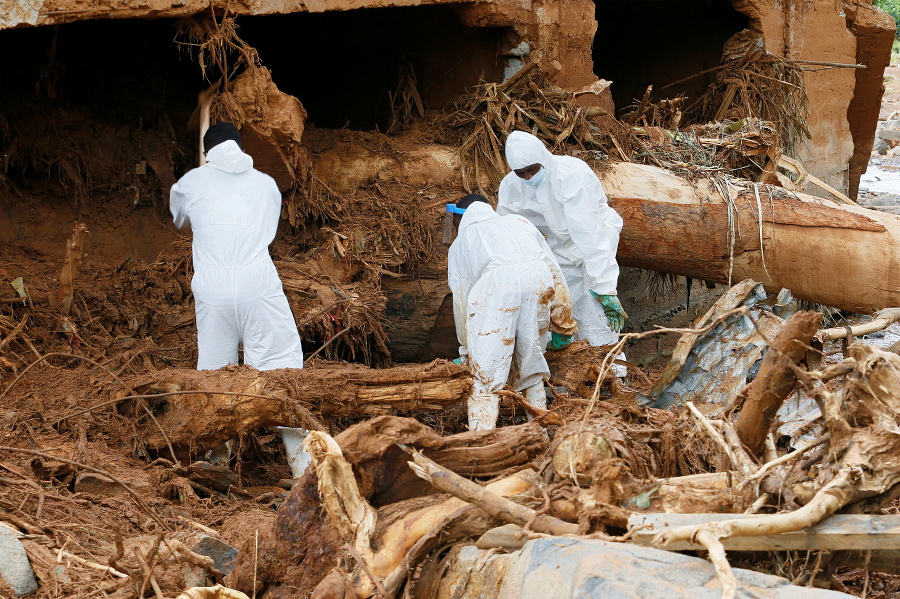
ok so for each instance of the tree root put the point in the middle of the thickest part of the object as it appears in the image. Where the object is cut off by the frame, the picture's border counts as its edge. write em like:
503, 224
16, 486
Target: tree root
832, 497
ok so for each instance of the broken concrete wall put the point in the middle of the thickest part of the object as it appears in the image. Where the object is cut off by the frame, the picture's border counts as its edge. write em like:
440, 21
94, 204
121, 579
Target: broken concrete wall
826, 31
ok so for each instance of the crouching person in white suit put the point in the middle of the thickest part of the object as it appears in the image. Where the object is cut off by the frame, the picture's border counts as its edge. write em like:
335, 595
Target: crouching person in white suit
233, 211
510, 301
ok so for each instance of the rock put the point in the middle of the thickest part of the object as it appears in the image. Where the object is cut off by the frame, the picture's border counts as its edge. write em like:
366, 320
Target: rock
883, 199
889, 134
880, 146
96, 484
558, 567
223, 554
15, 569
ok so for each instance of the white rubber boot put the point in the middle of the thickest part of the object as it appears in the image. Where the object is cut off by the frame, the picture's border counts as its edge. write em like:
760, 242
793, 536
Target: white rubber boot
536, 396
620, 370
484, 408
297, 457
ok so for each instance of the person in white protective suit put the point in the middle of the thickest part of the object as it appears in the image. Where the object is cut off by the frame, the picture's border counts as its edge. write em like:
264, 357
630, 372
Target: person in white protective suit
510, 301
233, 211
564, 199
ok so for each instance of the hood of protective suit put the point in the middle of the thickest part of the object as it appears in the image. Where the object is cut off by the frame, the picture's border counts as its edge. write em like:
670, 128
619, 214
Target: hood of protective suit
524, 149
477, 212
227, 156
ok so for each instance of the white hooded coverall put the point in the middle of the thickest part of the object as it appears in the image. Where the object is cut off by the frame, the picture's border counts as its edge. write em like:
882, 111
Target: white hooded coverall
233, 211
571, 209
508, 295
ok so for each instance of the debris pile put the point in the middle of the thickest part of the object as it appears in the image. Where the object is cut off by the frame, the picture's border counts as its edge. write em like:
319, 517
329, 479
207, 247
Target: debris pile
126, 473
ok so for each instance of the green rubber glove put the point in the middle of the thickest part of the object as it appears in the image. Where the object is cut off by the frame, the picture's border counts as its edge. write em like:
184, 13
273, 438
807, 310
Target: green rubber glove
558, 341
615, 313
457, 361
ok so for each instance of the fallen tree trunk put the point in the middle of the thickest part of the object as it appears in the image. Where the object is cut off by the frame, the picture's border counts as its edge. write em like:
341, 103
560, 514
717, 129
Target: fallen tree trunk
201, 409
674, 227
775, 380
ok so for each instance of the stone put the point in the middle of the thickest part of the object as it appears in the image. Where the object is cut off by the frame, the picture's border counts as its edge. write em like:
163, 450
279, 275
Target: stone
15, 569
884, 199
97, 484
559, 567
880, 146
223, 554
889, 134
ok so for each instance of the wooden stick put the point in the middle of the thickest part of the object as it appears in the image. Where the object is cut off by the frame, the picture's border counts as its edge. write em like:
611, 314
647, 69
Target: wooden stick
716, 436
836, 65
148, 573
326, 344
882, 320
786, 458
493, 504
91, 564
827, 501
365, 568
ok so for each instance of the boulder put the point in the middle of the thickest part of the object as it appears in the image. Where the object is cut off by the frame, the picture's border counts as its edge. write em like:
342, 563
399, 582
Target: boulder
558, 567
15, 569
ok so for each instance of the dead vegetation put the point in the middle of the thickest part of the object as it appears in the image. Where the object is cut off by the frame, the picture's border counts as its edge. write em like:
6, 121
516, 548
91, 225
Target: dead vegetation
105, 428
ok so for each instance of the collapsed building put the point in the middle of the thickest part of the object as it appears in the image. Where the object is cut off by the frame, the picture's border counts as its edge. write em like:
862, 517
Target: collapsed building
730, 136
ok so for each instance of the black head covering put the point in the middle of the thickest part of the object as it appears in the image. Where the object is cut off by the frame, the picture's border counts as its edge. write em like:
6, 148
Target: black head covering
220, 132
468, 200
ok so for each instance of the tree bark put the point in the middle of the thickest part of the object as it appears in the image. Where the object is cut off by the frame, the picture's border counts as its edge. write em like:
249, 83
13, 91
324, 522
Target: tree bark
219, 405
775, 379
672, 226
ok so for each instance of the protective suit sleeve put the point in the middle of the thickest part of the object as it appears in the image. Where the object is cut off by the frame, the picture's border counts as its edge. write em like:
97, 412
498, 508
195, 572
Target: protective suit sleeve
178, 202
561, 320
459, 286
594, 228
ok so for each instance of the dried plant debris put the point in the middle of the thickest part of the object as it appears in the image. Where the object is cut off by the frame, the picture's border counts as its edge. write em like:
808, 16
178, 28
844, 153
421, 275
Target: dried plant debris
528, 102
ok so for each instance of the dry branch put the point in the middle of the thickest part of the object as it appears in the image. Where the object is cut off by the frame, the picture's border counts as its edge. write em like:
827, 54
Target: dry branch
493, 504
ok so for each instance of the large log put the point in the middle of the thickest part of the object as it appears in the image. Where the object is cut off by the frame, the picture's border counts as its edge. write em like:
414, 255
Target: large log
836, 255
235, 401
674, 226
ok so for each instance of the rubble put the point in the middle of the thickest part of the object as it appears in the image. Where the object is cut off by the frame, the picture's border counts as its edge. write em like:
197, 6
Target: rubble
111, 473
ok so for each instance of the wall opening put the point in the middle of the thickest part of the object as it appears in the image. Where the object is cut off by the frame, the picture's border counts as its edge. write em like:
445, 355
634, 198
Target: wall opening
342, 65
658, 42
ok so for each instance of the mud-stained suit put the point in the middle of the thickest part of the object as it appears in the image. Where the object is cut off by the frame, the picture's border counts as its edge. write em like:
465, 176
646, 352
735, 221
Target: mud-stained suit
508, 296
570, 208
233, 211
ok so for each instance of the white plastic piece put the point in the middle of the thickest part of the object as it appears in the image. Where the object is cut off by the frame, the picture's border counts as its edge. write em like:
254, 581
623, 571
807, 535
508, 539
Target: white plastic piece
297, 457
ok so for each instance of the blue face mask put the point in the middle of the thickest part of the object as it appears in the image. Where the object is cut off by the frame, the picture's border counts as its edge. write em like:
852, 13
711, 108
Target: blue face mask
537, 178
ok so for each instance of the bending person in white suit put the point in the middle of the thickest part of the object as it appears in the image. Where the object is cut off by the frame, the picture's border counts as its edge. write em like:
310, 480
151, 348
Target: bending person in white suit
510, 301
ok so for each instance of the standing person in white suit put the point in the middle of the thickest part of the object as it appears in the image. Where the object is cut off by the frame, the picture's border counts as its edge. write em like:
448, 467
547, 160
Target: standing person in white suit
565, 200
233, 211
510, 302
